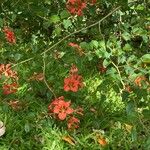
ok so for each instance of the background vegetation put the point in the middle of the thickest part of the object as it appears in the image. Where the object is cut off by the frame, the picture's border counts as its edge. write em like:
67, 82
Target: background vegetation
109, 43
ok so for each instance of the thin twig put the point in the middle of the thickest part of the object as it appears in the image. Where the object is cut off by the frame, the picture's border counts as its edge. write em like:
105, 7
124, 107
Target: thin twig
44, 75
119, 74
80, 30
22, 62
98, 22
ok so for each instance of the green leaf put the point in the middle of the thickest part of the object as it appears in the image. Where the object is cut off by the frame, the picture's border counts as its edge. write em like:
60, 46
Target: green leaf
54, 19
106, 62
27, 127
134, 135
67, 23
126, 36
46, 24
102, 45
57, 31
127, 47
1, 22
146, 114
64, 14
17, 56
94, 43
146, 58
131, 113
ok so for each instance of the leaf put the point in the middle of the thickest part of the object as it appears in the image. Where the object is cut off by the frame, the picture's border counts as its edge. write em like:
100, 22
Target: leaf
27, 127
2, 128
102, 141
94, 43
146, 113
128, 127
134, 135
131, 113
102, 45
54, 19
127, 47
69, 140
64, 14
1, 22
67, 23
146, 58
17, 56
57, 31
126, 36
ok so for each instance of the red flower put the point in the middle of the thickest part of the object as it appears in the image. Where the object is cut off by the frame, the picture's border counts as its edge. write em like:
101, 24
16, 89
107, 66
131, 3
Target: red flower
103, 69
10, 88
6, 70
93, 2
73, 123
73, 45
9, 35
14, 104
73, 70
138, 80
73, 83
76, 6
78, 48
128, 88
60, 108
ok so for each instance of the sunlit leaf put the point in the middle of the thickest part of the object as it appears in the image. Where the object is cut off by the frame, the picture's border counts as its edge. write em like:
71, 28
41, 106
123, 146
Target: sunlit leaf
69, 140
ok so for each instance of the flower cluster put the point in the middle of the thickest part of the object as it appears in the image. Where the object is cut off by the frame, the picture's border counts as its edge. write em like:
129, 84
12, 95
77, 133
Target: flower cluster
10, 88
10, 37
77, 47
76, 7
62, 110
7, 72
138, 81
74, 81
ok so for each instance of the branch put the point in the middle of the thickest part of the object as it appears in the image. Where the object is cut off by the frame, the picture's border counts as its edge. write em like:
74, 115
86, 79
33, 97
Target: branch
44, 75
98, 22
94, 24
119, 74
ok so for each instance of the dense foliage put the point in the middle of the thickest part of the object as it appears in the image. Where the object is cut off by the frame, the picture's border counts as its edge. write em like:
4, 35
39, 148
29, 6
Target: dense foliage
75, 68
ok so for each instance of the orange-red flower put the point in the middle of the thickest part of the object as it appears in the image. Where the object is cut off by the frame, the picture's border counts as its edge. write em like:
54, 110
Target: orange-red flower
76, 7
73, 83
102, 142
128, 88
14, 104
138, 80
7, 71
73, 70
92, 2
74, 45
9, 35
102, 69
10, 88
60, 108
73, 123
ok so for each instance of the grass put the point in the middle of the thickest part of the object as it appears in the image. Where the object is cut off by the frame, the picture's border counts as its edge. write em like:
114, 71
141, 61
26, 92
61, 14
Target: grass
30, 128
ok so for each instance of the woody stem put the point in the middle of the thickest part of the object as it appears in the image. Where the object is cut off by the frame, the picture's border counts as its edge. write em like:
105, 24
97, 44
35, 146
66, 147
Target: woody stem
54, 45
44, 74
